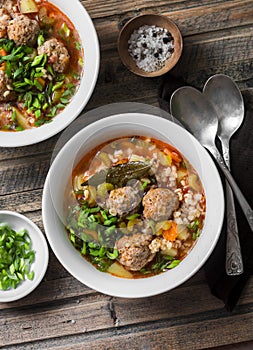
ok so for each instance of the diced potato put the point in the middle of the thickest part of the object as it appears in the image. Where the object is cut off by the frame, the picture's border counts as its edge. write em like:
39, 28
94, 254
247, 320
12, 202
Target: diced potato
21, 119
194, 182
181, 173
92, 195
104, 188
165, 160
28, 6
104, 158
183, 235
119, 271
132, 223
162, 225
181, 228
43, 17
78, 180
171, 252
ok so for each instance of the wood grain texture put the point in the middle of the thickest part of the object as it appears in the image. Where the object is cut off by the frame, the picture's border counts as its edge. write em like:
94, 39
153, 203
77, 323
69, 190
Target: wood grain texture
64, 314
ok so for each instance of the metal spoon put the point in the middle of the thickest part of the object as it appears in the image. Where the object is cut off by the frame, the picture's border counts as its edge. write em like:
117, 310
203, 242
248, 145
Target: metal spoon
198, 115
228, 102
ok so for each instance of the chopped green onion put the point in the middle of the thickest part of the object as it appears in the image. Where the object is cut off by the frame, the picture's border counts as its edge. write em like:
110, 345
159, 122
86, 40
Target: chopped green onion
173, 264
66, 29
113, 255
132, 217
57, 86
78, 46
16, 257
40, 39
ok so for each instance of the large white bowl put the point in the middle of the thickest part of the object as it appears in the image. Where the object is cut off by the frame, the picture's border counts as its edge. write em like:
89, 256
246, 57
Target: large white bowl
83, 24
59, 175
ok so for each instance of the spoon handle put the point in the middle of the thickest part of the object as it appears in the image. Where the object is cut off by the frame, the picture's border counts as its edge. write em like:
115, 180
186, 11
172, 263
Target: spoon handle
248, 212
234, 263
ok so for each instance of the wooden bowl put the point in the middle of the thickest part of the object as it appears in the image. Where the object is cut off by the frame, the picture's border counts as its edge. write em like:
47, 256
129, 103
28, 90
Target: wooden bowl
149, 19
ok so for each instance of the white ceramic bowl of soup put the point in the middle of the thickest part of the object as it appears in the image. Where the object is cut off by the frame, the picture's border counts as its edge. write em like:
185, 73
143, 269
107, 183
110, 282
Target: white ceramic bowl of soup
54, 216
82, 22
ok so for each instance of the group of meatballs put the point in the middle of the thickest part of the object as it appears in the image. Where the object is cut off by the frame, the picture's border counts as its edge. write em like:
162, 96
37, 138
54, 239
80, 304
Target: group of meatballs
24, 31
158, 204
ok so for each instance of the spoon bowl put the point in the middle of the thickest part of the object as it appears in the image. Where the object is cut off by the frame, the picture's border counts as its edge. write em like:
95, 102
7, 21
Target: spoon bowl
198, 115
228, 102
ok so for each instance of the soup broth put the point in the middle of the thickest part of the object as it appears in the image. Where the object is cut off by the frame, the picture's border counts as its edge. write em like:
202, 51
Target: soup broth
137, 207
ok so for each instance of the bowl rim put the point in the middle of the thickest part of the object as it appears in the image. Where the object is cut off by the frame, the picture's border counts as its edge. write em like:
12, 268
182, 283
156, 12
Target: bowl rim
107, 283
82, 23
27, 286
136, 70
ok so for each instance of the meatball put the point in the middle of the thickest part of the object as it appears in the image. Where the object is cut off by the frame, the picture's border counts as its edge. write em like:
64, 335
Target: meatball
23, 30
159, 203
4, 21
57, 54
123, 200
134, 252
6, 92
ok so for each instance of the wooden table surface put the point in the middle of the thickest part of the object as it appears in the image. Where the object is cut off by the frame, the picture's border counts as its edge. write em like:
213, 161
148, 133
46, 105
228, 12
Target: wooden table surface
64, 314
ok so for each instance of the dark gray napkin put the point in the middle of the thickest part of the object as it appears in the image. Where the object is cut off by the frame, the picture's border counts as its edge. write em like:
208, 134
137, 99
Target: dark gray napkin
224, 287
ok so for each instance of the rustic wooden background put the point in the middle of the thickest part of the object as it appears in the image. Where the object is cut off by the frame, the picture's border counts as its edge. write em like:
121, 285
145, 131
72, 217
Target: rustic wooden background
64, 314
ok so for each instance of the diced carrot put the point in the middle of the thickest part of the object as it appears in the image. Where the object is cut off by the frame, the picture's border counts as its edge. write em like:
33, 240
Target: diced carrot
174, 155
3, 66
121, 161
167, 151
3, 53
171, 234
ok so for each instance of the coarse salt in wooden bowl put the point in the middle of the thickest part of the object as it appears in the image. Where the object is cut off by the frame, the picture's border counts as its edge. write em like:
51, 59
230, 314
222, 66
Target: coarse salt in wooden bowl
149, 20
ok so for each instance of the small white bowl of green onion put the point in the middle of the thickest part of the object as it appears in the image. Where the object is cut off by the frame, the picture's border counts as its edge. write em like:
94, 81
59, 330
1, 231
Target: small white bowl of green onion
23, 256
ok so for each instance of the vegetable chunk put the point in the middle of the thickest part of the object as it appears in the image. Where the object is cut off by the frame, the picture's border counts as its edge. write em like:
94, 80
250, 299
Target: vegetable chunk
28, 6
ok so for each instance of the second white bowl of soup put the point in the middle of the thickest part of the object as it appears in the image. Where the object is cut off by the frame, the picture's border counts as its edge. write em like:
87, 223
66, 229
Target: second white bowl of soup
49, 60
129, 207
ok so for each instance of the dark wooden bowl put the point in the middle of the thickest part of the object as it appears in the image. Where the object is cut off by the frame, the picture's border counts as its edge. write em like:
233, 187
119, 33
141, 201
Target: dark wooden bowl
149, 19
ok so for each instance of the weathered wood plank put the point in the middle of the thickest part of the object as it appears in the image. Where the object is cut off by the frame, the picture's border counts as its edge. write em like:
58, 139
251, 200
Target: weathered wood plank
27, 174
32, 150
22, 202
50, 291
54, 320
203, 56
192, 332
234, 12
57, 319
